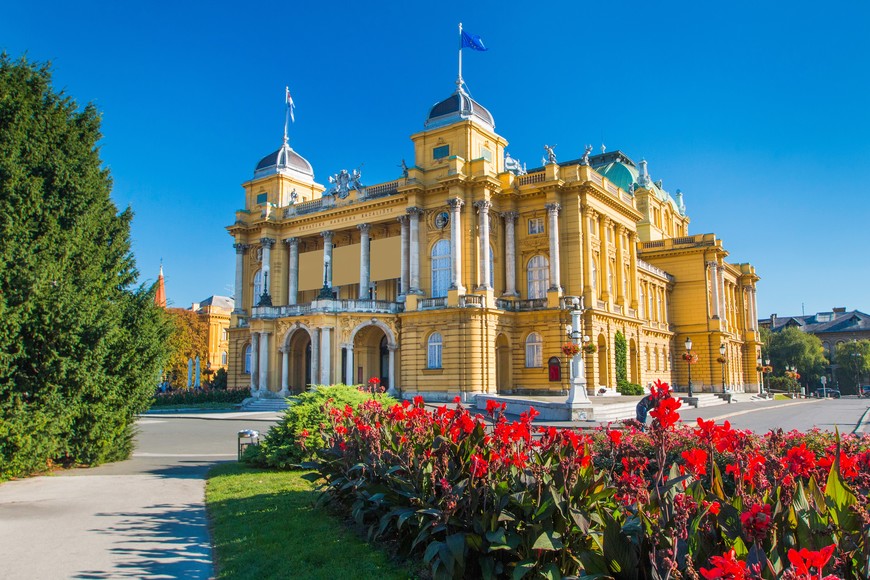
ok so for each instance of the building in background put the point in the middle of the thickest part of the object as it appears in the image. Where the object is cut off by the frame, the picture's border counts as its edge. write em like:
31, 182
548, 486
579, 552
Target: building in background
458, 277
832, 328
215, 312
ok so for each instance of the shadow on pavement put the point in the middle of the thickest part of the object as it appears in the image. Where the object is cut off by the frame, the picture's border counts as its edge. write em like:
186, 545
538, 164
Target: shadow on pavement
164, 540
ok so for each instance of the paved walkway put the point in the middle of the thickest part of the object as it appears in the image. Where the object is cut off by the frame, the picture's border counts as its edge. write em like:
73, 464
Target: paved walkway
141, 518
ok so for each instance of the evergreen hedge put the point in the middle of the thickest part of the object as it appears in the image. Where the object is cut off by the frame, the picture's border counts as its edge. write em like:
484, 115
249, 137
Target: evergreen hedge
81, 344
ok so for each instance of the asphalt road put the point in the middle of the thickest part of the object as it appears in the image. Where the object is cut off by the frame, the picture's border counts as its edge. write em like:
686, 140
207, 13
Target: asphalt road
801, 414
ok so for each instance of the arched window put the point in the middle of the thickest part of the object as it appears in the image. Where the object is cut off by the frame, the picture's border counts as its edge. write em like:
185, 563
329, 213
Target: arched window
534, 350
433, 359
248, 359
440, 268
610, 278
656, 354
224, 358
258, 286
538, 273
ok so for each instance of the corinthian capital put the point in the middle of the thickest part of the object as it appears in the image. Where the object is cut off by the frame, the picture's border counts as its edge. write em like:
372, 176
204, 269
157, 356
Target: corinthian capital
267, 242
553, 207
455, 203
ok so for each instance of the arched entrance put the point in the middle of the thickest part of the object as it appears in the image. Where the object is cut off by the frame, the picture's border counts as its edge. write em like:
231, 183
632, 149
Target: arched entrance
298, 353
371, 354
503, 364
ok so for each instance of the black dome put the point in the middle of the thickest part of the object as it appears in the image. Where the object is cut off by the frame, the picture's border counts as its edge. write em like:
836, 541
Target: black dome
456, 107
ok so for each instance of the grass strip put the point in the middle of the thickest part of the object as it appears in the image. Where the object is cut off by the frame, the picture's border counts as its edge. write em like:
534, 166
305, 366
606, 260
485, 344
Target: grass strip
265, 525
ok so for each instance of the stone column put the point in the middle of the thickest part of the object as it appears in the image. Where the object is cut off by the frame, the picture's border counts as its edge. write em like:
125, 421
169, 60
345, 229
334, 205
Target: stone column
267, 265
588, 257
632, 249
510, 253
326, 356
328, 265
255, 360
483, 207
315, 356
456, 243
240, 280
714, 288
753, 305
292, 270
349, 374
285, 370
364, 261
264, 363
604, 258
391, 365
722, 310
404, 285
414, 214
620, 266
555, 269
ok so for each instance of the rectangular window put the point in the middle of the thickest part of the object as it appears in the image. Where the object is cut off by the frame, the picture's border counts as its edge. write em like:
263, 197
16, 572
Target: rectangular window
486, 153
441, 152
536, 226
534, 355
261, 198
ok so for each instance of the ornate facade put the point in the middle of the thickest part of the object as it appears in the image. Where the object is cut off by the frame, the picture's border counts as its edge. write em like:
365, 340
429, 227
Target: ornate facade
458, 277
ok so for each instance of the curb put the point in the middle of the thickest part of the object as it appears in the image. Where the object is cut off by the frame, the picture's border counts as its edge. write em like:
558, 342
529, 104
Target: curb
861, 426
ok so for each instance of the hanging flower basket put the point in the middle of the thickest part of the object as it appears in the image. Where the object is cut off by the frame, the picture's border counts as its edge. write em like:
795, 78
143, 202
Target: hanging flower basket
570, 349
721, 360
759, 368
767, 369
589, 348
690, 357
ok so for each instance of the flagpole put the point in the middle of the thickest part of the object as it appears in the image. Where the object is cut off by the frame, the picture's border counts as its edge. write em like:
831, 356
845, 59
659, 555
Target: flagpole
286, 113
459, 80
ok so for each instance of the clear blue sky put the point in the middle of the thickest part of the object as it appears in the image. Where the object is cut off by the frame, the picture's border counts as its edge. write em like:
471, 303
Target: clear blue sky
748, 108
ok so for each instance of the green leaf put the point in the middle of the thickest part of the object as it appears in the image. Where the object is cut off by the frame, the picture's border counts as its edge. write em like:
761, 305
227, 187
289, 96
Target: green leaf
551, 571
456, 544
523, 568
548, 541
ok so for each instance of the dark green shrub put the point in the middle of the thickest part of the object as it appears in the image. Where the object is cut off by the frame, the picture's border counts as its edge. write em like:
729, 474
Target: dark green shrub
620, 350
220, 379
281, 447
627, 388
197, 397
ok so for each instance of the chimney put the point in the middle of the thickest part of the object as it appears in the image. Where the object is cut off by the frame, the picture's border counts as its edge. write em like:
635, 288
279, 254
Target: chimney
772, 321
839, 309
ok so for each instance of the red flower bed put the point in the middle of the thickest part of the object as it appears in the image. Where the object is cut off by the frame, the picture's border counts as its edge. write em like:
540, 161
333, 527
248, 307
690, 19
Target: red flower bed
488, 497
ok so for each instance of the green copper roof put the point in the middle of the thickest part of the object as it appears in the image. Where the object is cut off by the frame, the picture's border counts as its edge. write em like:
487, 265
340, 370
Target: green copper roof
619, 174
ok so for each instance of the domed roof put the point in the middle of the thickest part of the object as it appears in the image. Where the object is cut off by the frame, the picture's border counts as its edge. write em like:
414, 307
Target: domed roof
620, 174
285, 161
458, 107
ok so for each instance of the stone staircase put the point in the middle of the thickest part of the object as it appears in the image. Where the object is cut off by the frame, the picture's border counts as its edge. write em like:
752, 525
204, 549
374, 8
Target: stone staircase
264, 405
619, 411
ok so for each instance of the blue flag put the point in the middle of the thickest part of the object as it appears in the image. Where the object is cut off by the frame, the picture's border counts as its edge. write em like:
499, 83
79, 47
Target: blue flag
473, 42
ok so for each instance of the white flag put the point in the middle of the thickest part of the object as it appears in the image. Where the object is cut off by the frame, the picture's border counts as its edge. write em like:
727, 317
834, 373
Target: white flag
290, 103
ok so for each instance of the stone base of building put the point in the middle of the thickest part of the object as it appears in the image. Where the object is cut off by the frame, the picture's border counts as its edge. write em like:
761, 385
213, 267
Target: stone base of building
555, 410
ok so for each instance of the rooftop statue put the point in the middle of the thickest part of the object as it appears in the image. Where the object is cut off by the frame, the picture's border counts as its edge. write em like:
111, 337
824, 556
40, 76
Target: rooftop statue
585, 159
551, 155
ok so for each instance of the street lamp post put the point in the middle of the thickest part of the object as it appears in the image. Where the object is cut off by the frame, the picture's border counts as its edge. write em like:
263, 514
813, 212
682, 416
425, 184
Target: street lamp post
766, 364
689, 363
577, 394
722, 356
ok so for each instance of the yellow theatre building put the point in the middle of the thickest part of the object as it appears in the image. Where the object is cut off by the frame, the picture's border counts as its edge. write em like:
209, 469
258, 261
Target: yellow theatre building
458, 278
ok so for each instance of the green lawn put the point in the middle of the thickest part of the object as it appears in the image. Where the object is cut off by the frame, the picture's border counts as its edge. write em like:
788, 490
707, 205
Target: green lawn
264, 525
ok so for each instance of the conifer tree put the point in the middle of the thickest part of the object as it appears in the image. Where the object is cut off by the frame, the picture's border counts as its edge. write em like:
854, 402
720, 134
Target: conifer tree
81, 344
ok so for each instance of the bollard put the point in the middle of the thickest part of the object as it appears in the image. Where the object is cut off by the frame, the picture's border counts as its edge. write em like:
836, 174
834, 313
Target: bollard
247, 437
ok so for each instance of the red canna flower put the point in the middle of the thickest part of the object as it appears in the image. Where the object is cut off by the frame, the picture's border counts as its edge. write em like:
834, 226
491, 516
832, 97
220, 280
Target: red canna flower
756, 522
666, 412
800, 460
615, 437
805, 559
727, 567
696, 461
479, 465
